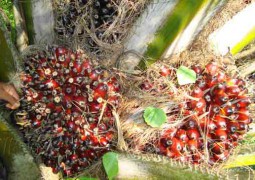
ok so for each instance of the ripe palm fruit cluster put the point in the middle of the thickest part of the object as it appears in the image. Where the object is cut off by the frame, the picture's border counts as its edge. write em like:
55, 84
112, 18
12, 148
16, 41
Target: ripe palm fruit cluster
68, 107
217, 118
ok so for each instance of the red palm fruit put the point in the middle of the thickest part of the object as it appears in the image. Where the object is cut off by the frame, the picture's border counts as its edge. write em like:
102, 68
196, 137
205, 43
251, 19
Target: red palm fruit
245, 121
231, 82
77, 67
213, 109
243, 127
26, 78
243, 102
212, 68
91, 154
51, 105
103, 141
244, 111
218, 90
93, 140
146, 85
220, 122
192, 145
70, 125
113, 85
234, 137
67, 101
36, 123
228, 110
93, 75
221, 99
208, 98
198, 105
218, 147
201, 83
86, 67
220, 134
165, 71
243, 116
64, 60
51, 84
109, 135
80, 100
40, 73
221, 76
197, 92
232, 127
177, 145
95, 107
100, 91
181, 135
193, 134
198, 69
221, 157
166, 142
191, 123
233, 91
60, 51
69, 89
211, 81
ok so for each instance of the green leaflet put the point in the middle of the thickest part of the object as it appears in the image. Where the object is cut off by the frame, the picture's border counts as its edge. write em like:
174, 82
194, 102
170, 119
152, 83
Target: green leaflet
110, 162
154, 117
186, 75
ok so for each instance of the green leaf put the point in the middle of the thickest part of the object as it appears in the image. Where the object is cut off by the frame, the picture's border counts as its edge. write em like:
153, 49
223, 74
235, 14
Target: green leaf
186, 75
241, 161
154, 117
110, 162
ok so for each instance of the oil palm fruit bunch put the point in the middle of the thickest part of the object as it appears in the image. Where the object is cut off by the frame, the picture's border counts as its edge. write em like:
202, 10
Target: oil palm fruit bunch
66, 109
67, 20
104, 12
217, 117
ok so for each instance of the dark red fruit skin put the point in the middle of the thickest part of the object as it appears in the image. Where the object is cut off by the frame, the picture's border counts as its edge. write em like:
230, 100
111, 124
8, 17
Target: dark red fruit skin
193, 134
192, 145
218, 147
146, 85
212, 68
198, 69
100, 91
165, 71
221, 157
220, 135
243, 102
233, 91
182, 135
197, 92
220, 122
